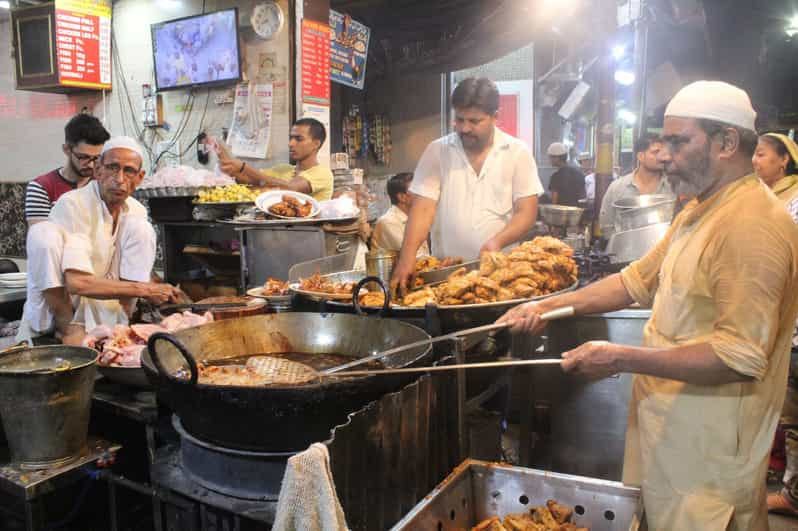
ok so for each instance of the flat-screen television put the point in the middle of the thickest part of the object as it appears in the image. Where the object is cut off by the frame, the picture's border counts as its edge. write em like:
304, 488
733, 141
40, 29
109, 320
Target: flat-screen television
200, 50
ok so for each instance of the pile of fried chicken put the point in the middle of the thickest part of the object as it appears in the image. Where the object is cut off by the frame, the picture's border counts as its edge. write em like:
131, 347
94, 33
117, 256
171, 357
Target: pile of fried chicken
431, 263
553, 517
274, 287
534, 268
320, 284
291, 207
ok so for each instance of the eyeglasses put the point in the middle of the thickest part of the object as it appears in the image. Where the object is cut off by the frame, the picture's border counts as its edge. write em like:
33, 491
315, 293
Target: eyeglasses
128, 171
82, 157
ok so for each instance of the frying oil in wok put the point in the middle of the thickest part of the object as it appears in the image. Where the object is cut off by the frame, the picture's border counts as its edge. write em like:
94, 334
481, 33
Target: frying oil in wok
297, 368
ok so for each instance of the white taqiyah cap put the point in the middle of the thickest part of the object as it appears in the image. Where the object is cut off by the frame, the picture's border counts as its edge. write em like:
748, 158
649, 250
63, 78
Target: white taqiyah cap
557, 149
584, 156
125, 142
713, 100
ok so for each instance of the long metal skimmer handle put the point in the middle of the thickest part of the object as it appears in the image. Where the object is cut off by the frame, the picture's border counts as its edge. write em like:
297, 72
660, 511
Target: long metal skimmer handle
485, 365
559, 313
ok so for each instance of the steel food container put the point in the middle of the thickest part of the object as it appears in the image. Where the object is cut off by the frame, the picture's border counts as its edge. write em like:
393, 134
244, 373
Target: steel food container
637, 212
477, 490
380, 264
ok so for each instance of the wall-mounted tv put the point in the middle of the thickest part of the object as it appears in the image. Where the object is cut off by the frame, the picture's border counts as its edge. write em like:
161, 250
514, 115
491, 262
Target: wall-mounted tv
200, 50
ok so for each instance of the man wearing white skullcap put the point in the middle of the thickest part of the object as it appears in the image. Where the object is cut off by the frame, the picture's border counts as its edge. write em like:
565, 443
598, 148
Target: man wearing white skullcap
106, 248
567, 183
711, 377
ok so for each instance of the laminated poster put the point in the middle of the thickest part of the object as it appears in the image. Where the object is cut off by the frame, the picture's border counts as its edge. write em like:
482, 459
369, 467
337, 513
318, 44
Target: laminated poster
252, 121
348, 50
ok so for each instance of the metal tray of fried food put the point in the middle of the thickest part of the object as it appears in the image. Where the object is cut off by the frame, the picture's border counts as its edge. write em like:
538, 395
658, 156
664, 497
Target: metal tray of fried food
439, 275
478, 490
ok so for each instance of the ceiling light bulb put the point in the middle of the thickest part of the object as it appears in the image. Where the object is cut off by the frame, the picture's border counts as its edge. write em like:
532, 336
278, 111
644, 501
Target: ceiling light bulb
618, 52
624, 77
5, 4
627, 116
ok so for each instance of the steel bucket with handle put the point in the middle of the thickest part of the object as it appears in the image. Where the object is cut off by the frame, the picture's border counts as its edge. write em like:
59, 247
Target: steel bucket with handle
45, 401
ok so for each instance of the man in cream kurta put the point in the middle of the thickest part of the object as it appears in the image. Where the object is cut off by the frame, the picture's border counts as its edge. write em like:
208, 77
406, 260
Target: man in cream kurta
711, 377
97, 250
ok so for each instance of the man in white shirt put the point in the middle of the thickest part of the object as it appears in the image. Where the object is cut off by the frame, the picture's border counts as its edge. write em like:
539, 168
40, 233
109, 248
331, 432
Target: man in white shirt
94, 256
389, 231
476, 188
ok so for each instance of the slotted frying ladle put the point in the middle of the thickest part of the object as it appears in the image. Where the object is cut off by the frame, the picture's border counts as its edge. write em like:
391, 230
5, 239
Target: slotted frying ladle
559, 313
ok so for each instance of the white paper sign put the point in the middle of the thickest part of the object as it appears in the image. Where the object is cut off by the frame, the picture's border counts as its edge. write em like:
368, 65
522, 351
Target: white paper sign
252, 121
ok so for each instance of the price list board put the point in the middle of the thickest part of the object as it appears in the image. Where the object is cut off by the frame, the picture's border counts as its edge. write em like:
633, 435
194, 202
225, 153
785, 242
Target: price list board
83, 43
315, 62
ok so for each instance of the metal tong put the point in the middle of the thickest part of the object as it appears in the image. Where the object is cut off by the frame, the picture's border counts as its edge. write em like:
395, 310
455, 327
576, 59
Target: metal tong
559, 313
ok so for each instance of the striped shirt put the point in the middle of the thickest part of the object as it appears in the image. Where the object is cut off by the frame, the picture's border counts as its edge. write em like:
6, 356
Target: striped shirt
42, 192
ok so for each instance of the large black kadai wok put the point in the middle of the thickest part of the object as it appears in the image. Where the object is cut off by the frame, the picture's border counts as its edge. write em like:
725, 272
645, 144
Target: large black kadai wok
276, 418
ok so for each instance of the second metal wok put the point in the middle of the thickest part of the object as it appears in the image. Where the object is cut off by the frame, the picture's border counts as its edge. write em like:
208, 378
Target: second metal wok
274, 418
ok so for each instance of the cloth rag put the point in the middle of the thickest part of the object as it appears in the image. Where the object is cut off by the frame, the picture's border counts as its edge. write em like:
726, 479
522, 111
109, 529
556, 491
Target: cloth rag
308, 501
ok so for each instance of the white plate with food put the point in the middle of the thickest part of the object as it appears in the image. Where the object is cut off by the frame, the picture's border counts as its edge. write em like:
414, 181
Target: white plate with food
285, 204
273, 290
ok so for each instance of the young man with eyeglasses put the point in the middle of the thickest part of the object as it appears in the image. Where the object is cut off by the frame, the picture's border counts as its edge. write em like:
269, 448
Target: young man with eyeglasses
93, 257
84, 137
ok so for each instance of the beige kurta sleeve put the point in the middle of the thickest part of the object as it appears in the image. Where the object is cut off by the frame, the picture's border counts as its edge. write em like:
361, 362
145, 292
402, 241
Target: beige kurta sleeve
641, 278
71, 216
749, 271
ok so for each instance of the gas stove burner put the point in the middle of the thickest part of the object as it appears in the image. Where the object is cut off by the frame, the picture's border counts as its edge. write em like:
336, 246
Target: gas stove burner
238, 473
594, 265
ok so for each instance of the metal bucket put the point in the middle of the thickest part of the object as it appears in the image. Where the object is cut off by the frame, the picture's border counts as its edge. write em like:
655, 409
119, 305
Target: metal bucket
642, 211
380, 264
45, 401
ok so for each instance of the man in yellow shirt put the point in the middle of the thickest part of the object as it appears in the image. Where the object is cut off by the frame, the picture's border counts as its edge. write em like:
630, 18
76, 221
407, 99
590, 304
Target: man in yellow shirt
309, 177
711, 377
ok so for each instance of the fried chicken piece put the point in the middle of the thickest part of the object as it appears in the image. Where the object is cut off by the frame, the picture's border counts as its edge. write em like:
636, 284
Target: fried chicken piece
572, 527
450, 261
524, 288
490, 262
274, 287
418, 282
561, 513
553, 245
503, 276
491, 524
451, 301
427, 263
372, 298
455, 287
459, 272
421, 297
542, 515
521, 522
505, 294
468, 297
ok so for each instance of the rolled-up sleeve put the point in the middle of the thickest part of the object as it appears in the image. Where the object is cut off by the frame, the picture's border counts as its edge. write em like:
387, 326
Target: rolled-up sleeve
748, 276
526, 181
427, 177
641, 278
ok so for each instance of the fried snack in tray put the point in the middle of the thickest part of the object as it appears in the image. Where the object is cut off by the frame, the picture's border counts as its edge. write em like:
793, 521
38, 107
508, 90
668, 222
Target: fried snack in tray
553, 517
431, 263
371, 298
274, 287
291, 207
534, 268
320, 284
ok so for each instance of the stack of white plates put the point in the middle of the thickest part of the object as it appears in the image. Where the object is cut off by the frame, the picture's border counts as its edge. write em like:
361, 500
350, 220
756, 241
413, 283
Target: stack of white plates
13, 280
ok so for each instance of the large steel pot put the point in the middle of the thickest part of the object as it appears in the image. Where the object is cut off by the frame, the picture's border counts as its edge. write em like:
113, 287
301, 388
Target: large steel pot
580, 425
276, 419
45, 401
642, 211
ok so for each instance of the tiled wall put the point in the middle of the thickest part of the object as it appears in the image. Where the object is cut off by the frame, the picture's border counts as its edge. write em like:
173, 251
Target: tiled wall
12, 219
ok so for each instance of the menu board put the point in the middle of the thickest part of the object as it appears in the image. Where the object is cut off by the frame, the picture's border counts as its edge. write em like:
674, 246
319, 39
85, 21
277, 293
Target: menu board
349, 49
83, 43
315, 62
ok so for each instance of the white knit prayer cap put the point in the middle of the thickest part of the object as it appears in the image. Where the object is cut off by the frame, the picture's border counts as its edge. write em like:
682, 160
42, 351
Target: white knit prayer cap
124, 142
716, 101
557, 149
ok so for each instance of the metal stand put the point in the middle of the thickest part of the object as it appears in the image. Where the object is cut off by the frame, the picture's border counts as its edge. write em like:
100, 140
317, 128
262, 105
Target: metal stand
30, 486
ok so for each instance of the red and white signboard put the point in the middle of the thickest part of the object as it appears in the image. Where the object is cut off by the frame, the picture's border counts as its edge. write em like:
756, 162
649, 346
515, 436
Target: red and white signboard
83, 43
315, 62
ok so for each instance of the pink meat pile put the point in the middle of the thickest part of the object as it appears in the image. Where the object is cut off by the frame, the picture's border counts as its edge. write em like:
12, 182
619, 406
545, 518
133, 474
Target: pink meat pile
122, 345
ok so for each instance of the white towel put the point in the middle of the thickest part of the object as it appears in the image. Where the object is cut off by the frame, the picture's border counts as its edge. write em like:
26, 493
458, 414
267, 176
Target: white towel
308, 501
